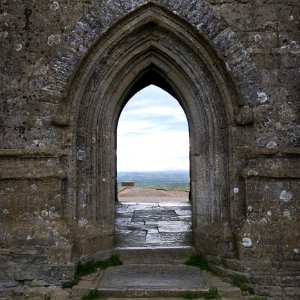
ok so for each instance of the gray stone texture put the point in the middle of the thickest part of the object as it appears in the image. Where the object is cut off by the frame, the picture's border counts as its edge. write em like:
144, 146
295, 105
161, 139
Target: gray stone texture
153, 225
65, 67
153, 281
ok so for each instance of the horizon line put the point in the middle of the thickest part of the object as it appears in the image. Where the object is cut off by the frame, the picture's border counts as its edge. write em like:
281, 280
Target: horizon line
167, 170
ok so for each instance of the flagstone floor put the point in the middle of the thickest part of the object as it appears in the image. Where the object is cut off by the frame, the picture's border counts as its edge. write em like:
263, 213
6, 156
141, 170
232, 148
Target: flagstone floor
157, 223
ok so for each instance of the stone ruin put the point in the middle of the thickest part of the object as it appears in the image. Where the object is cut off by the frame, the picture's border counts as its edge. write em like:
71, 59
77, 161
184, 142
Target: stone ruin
67, 70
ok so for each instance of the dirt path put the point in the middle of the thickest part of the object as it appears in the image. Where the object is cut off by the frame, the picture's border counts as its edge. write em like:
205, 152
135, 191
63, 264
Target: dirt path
138, 192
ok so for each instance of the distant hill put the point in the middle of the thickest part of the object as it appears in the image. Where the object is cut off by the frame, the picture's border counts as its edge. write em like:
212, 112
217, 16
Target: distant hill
157, 179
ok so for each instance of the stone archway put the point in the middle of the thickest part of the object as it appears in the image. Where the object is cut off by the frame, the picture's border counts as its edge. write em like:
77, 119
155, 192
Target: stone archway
153, 45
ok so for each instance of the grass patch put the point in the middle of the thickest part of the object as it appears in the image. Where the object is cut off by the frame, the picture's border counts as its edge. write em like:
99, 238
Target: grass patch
257, 298
212, 294
243, 286
92, 267
92, 295
191, 296
198, 261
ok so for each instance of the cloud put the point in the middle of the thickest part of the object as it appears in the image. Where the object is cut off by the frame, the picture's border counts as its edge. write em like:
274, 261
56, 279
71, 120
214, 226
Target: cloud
152, 133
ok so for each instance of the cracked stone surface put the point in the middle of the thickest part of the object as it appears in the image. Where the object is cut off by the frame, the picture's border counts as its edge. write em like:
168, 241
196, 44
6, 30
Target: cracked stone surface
153, 224
153, 280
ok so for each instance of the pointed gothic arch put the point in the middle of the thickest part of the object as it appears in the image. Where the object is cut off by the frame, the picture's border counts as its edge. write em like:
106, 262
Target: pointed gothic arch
151, 44
152, 136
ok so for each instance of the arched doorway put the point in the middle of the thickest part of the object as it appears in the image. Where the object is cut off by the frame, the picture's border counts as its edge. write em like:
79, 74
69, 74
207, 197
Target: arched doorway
153, 138
153, 207
152, 46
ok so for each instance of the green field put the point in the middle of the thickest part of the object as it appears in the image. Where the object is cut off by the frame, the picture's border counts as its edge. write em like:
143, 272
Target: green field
169, 180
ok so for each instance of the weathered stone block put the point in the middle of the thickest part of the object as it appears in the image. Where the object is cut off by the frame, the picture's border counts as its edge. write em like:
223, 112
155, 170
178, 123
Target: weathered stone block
60, 254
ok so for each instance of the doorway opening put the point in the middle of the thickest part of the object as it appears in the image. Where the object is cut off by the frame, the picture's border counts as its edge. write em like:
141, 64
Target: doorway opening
153, 177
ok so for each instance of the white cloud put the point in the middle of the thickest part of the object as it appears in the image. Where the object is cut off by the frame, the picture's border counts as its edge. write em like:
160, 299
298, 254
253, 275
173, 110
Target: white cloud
152, 133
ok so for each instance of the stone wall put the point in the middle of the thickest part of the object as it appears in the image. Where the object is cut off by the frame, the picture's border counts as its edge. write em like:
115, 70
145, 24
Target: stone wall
44, 46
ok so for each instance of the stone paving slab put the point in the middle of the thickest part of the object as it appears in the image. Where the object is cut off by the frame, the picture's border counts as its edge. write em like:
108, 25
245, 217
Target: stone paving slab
183, 211
154, 212
154, 215
175, 227
153, 224
176, 237
153, 281
131, 206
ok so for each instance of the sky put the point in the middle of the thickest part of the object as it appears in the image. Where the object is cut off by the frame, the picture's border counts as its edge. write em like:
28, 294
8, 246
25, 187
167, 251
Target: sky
152, 133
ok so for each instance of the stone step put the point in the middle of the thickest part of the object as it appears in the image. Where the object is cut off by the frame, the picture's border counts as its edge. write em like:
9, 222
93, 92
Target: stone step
153, 298
166, 298
153, 281
156, 255
225, 289
160, 281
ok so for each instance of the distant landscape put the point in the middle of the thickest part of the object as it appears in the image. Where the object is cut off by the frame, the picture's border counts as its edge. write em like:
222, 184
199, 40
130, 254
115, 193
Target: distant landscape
179, 180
